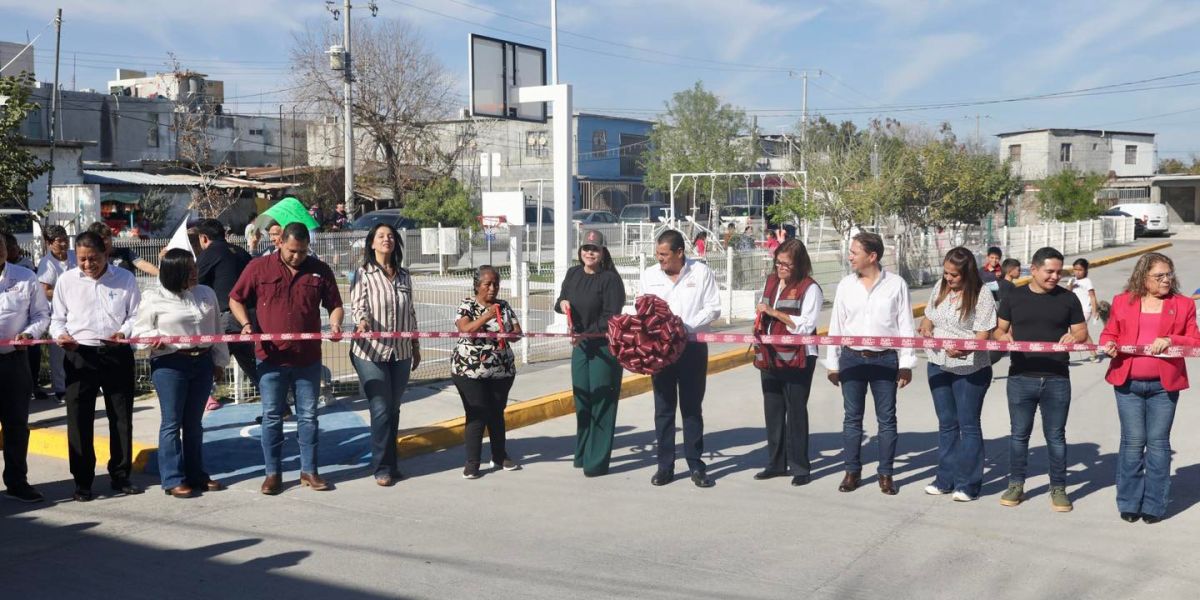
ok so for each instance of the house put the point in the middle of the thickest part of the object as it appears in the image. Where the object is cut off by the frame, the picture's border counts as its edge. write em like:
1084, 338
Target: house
1040, 153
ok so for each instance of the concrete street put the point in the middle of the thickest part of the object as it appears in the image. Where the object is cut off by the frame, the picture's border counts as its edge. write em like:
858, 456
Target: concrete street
548, 532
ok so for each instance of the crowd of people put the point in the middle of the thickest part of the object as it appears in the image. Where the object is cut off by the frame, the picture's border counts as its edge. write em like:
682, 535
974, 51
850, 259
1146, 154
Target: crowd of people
88, 302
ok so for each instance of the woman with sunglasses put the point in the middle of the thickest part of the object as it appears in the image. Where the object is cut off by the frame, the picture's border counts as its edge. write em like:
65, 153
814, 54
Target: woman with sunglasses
592, 292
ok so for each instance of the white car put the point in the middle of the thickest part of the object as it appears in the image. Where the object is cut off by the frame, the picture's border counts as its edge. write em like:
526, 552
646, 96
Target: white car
1154, 215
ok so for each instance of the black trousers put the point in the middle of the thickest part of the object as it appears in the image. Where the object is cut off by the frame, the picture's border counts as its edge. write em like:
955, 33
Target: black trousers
681, 385
15, 387
242, 352
785, 406
484, 401
35, 363
89, 370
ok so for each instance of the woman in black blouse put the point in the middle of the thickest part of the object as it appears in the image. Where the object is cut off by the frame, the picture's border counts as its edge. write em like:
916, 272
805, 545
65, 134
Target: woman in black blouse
591, 293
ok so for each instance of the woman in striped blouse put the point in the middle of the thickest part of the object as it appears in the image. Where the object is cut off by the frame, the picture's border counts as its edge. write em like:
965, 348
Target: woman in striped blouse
382, 301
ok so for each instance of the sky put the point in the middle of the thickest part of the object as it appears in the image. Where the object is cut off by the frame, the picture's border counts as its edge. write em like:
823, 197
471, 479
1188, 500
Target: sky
966, 62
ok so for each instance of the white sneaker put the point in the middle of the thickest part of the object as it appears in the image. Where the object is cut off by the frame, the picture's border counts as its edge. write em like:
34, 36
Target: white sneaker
960, 496
933, 490
509, 465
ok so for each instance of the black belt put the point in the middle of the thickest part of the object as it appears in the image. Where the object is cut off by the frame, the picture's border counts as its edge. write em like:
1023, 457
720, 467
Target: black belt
192, 352
105, 349
868, 353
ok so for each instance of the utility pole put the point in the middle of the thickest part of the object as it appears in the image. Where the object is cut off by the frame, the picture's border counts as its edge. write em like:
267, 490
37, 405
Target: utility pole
54, 108
281, 133
804, 121
554, 43
347, 69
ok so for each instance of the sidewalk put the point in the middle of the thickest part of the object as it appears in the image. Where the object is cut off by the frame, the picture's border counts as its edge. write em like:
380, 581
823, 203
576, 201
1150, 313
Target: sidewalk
430, 416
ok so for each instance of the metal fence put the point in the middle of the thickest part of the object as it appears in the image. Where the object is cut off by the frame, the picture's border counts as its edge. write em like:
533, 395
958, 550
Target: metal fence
442, 282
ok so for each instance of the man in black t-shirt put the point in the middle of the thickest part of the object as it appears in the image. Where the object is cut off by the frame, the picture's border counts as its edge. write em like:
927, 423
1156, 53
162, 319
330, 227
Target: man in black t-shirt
1040, 312
218, 266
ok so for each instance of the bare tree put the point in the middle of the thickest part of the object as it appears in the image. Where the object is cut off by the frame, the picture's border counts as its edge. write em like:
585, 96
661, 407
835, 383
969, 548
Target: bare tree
400, 91
195, 125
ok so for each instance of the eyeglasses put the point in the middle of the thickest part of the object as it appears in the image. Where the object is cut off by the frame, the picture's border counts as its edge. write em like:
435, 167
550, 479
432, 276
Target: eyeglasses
1162, 276
785, 265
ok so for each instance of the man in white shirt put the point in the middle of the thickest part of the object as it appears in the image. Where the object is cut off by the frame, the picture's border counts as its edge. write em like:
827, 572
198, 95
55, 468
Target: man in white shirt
690, 290
870, 302
58, 260
95, 305
24, 314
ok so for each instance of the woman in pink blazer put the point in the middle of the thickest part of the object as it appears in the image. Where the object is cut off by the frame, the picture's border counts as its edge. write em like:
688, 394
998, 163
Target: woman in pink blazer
1150, 312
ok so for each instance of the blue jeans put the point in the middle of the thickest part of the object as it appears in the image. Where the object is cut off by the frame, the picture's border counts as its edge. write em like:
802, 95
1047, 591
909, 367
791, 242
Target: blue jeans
958, 402
1146, 411
274, 381
1025, 394
182, 383
383, 383
856, 374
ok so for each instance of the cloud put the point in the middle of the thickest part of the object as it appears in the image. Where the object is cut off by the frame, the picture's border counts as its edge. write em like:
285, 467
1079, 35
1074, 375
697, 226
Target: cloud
930, 55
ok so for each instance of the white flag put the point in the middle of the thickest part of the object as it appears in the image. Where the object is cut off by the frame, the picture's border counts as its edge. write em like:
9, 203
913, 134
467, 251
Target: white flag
180, 239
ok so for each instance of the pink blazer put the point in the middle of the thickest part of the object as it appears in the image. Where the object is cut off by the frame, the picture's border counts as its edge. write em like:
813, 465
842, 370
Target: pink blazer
1178, 323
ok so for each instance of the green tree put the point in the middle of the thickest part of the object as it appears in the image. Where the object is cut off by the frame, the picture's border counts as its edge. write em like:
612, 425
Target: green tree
18, 166
443, 201
1174, 166
699, 134
1070, 196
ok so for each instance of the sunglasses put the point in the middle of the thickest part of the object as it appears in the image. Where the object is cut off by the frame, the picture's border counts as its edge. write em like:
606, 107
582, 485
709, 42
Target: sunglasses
590, 248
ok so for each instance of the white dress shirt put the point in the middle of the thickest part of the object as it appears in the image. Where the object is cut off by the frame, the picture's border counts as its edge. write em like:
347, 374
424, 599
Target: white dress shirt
50, 268
810, 313
692, 297
90, 310
23, 305
194, 312
882, 311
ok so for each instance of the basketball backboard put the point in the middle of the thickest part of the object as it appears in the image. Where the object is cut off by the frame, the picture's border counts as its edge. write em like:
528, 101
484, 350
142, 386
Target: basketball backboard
497, 69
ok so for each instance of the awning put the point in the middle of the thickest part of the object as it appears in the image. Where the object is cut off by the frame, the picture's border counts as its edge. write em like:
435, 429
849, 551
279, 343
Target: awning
122, 197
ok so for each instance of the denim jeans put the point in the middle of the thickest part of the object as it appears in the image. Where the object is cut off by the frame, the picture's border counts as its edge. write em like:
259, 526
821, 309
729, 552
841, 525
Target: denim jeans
1025, 394
274, 381
856, 374
182, 383
384, 384
958, 402
1146, 411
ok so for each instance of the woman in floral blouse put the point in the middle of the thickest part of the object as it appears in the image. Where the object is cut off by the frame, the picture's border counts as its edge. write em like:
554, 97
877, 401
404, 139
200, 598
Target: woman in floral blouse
483, 369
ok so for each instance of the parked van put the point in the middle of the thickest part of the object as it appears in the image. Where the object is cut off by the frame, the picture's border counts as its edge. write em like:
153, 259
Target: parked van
741, 215
1158, 221
644, 213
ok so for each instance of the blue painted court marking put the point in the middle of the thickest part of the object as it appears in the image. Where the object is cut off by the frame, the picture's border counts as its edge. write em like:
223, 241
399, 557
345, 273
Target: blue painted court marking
233, 443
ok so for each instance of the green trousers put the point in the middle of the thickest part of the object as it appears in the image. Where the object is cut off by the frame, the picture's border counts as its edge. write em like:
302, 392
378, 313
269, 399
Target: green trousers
596, 378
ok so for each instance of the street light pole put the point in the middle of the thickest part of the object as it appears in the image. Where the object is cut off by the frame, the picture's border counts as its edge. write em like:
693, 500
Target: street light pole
348, 115
54, 108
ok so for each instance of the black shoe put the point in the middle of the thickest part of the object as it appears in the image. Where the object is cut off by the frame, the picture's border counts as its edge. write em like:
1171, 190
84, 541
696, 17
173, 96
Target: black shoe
127, 488
769, 474
1150, 519
82, 495
700, 478
800, 480
24, 493
662, 477
1130, 517
471, 471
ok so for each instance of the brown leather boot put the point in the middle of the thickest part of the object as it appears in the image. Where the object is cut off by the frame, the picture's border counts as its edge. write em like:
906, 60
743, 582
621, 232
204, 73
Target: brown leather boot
272, 485
850, 481
314, 481
886, 485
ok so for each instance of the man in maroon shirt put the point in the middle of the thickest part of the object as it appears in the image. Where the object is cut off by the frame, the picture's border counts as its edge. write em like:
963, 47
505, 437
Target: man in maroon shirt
288, 289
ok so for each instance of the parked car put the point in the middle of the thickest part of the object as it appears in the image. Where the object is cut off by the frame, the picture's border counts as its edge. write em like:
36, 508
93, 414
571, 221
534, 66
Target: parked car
1155, 216
531, 215
1139, 225
740, 215
391, 216
23, 225
593, 217
642, 213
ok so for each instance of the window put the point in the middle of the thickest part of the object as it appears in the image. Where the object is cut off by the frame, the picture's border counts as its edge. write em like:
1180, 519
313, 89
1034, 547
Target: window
152, 130
1064, 153
537, 143
1014, 152
632, 149
599, 143
256, 132
1131, 154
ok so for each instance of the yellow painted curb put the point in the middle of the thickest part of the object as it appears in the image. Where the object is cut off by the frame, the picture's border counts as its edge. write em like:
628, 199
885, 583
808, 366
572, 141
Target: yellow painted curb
448, 433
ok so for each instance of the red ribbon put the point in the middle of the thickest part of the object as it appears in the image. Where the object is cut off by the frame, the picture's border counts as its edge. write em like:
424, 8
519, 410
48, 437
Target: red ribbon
500, 321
